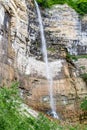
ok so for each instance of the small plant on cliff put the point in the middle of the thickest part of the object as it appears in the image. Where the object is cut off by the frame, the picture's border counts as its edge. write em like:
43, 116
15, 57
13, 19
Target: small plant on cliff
84, 77
71, 57
51, 49
84, 104
81, 56
82, 67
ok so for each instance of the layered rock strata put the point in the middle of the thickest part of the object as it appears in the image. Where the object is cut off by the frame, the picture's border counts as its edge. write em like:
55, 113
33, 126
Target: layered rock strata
21, 53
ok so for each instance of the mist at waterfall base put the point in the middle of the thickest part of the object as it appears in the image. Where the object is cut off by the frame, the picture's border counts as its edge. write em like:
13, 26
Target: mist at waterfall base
48, 71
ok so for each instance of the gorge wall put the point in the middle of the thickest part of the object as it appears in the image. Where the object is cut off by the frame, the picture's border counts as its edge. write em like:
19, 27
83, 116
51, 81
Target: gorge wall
21, 54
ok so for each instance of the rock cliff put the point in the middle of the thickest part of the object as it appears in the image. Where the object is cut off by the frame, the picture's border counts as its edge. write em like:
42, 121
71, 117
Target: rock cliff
21, 54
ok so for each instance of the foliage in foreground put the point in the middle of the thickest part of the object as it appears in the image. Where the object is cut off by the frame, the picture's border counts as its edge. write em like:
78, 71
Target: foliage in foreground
79, 5
13, 119
10, 119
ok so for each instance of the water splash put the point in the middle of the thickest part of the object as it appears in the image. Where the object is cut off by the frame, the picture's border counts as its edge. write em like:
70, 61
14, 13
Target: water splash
48, 71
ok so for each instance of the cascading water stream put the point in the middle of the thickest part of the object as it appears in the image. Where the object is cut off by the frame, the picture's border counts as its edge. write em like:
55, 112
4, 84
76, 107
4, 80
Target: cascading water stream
48, 72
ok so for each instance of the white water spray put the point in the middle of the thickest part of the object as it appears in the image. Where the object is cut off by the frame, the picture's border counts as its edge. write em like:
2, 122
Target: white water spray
48, 71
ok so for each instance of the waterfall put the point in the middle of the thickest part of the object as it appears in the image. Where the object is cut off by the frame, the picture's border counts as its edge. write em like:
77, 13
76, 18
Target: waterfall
48, 72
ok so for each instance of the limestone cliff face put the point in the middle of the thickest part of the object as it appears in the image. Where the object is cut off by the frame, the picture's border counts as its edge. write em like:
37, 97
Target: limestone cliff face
21, 55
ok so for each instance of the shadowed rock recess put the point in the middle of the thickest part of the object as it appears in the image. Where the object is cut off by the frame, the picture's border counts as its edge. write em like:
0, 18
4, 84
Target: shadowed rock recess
21, 54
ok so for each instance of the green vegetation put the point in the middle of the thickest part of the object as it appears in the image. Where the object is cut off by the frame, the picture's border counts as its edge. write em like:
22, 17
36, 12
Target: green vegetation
75, 57
79, 5
49, 3
81, 56
51, 49
13, 118
10, 117
84, 77
84, 104
83, 67
71, 57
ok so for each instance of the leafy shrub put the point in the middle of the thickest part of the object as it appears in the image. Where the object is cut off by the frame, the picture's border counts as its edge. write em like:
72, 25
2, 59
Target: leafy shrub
49, 3
10, 117
79, 5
